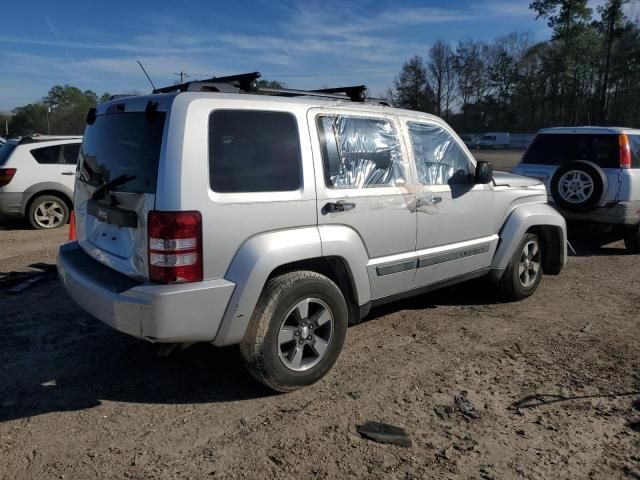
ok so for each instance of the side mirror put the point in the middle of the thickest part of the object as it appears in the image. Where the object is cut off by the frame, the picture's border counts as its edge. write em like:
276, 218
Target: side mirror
484, 173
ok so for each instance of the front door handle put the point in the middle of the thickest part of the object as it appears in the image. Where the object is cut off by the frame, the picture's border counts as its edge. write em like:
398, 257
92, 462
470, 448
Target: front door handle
339, 206
68, 173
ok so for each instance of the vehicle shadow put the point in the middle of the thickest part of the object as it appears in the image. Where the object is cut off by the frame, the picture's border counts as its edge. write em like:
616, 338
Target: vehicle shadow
473, 292
597, 247
77, 362
14, 224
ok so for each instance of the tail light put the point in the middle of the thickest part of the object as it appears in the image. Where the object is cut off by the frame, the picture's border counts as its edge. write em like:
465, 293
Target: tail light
175, 246
6, 175
625, 151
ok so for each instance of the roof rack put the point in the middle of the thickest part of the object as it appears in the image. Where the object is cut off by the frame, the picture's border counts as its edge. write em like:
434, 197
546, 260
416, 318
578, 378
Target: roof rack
248, 83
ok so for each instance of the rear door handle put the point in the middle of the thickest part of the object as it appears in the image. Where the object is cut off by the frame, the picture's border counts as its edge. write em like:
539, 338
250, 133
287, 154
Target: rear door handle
339, 206
68, 173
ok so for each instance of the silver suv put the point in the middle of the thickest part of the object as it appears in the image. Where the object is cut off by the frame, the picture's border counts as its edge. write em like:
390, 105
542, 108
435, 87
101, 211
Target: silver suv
593, 176
273, 221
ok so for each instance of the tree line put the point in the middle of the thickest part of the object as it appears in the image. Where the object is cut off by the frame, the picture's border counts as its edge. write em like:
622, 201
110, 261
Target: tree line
63, 111
587, 73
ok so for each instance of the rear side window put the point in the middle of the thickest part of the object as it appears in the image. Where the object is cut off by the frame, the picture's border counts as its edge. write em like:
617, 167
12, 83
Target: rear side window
123, 144
5, 152
558, 149
70, 153
46, 155
360, 152
254, 151
634, 141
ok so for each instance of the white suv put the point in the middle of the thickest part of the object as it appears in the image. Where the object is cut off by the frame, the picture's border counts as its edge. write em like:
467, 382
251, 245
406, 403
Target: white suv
273, 222
37, 176
592, 175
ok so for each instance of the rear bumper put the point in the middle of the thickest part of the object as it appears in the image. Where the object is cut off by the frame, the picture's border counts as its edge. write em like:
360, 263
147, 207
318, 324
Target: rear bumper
10, 204
189, 312
621, 213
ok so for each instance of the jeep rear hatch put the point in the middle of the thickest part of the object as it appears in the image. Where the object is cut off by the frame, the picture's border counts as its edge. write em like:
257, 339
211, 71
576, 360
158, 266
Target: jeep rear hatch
116, 185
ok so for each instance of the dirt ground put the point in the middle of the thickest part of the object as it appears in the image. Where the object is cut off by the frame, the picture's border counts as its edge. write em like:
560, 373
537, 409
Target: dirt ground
81, 401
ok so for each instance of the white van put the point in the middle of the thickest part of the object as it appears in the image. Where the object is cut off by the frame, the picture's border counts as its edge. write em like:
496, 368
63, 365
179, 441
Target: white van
495, 140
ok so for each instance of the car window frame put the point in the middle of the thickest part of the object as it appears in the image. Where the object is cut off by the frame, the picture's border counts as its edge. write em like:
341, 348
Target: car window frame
61, 157
406, 120
269, 195
383, 190
55, 145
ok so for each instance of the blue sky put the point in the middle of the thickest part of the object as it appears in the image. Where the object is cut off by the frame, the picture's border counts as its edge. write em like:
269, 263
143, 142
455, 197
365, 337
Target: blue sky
94, 45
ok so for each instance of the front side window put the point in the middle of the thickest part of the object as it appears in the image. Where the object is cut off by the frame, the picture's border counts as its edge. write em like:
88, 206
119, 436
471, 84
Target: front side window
360, 152
439, 158
254, 151
46, 155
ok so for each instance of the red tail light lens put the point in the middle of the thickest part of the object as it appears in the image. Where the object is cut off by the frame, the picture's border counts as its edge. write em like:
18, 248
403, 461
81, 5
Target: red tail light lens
6, 175
625, 151
175, 246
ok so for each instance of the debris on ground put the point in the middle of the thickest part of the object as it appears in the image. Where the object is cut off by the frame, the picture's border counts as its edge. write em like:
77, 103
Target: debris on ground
385, 433
465, 406
587, 328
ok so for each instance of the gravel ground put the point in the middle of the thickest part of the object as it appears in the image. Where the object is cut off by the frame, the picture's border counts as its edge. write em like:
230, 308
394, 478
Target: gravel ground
78, 400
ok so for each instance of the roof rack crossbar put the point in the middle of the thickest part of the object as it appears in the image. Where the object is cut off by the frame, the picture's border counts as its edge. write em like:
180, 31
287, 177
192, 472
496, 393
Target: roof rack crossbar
290, 92
247, 82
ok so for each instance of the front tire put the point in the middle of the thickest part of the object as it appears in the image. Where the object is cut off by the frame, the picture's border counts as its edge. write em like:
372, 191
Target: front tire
47, 211
297, 331
524, 272
632, 238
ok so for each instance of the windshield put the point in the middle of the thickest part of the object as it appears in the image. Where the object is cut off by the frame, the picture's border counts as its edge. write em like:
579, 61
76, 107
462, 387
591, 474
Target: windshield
123, 144
5, 151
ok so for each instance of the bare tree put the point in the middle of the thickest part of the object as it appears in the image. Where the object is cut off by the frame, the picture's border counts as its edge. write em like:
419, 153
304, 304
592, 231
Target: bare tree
440, 65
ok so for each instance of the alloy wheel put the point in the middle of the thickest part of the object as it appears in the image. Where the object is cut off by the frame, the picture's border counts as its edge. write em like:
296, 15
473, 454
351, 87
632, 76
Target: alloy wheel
575, 186
529, 266
305, 334
49, 214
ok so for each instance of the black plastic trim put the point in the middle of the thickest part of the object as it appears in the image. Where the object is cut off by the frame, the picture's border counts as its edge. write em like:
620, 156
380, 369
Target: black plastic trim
456, 255
112, 215
396, 267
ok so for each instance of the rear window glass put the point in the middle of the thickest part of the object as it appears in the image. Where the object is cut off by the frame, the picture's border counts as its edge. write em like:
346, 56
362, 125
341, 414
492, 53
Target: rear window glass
5, 152
123, 144
634, 140
46, 155
558, 149
253, 151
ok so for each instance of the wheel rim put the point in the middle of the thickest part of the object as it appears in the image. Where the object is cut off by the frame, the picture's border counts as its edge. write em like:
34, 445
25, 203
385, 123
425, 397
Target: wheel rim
529, 267
305, 334
49, 214
575, 186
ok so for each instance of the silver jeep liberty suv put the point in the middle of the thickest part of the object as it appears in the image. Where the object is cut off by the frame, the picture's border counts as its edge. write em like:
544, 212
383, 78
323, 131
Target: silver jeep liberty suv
221, 212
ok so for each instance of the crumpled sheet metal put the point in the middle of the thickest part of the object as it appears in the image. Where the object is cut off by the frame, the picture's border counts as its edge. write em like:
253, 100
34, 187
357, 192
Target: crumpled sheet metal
438, 156
368, 150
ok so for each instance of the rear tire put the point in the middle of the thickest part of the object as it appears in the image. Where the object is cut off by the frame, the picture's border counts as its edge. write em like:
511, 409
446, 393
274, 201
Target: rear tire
47, 211
632, 238
524, 272
297, 331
